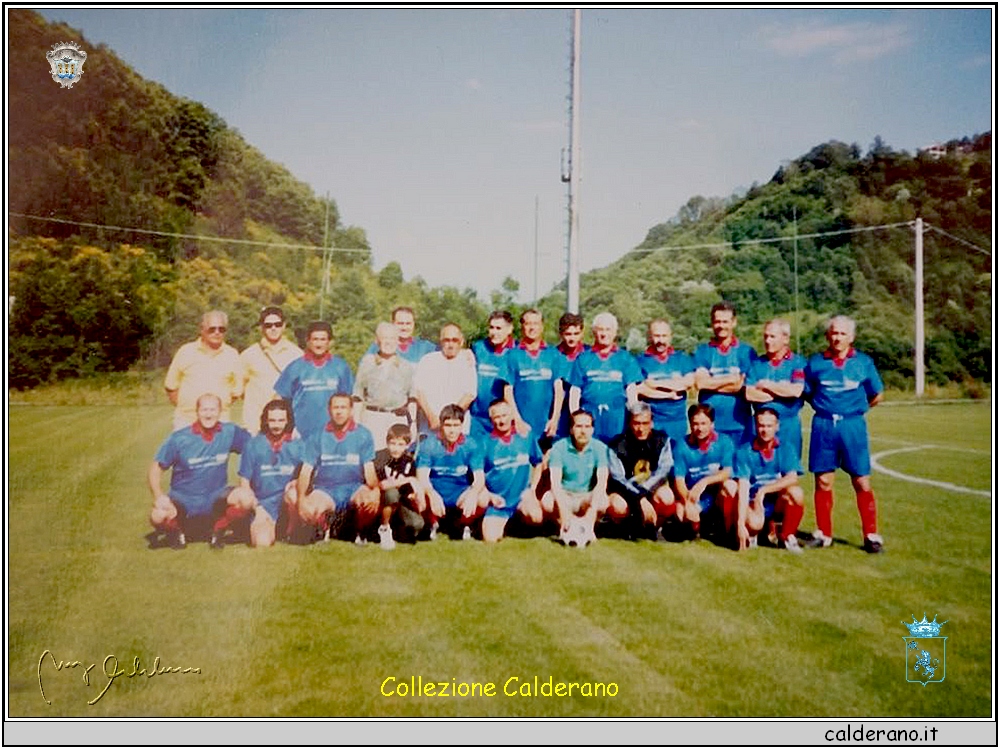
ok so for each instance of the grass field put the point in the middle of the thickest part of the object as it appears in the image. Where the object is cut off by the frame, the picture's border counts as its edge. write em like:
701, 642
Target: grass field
681, 629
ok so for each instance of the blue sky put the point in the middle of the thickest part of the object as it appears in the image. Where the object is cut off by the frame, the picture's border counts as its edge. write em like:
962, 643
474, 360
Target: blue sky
436, 130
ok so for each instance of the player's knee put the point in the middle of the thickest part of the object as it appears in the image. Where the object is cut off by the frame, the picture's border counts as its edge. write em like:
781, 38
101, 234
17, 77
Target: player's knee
861, 483
262, 532
794, 495
730, 489
242, 497
493, 528
824, 482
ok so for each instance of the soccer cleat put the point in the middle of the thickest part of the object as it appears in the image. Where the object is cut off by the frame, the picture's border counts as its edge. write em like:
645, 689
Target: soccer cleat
216, 542
359, 541
819, 541
792, 544
873, 543
466, 533
434, 532
176, 540
385, 539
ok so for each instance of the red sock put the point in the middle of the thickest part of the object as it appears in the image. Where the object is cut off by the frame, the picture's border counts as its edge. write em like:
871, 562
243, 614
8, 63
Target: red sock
824, 511
171, 525
866, 507
233, 512
793, 516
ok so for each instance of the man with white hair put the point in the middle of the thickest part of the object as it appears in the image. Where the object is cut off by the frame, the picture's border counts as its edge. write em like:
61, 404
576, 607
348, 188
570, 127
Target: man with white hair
842, 384
777, 379
383, 388
603, 380
444, 378
208, 365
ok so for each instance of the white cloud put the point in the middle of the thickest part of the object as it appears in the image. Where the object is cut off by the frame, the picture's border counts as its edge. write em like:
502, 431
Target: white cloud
845, 42
474, 83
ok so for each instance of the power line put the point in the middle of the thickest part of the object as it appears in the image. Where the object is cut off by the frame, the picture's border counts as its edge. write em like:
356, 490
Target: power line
199, 237
977, 248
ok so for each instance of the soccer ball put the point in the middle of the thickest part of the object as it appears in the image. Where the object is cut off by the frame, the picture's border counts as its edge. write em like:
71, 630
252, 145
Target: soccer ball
577, 533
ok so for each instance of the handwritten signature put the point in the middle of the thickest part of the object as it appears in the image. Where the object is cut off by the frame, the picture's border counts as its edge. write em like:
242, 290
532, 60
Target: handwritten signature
111, 671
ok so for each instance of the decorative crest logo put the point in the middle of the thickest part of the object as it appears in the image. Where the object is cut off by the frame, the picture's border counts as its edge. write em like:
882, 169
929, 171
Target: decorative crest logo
66, 62
923, 647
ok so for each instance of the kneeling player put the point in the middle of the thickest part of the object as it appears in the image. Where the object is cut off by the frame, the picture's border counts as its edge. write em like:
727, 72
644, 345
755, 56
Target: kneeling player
703, 463
450, 470
512, 468
340, 467
402, 494
768, 476
268, 469
578, 469
198, 457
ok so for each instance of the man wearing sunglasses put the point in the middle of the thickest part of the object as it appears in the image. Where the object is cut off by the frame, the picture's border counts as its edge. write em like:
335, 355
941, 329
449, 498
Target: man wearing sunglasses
262, 363
207, 365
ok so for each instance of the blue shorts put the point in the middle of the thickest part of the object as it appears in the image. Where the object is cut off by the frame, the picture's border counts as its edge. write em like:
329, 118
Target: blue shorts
709, 497
770, 502
341, 495
200, 506
609, 421
839, 442
676, 429
790, 433
506, 512
737, 436
272, 504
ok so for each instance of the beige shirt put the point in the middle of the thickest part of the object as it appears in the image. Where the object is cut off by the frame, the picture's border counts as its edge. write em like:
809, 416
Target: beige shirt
384, 383
198, 369
262, 363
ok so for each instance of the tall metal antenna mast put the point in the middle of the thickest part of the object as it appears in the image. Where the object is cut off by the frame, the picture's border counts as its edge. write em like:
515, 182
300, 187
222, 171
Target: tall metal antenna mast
572, 177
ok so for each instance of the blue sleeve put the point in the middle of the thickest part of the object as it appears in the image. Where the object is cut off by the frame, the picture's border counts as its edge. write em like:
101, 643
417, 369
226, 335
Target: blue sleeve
631, 370
873, 382
702, 357
366, 447
741, 469
246, 465
576, 373
284, 385
727, 452
423, 455
477, 455
534, 452
789, 461
504, 369
747, 359
167, 454
312, 450
807, 390
680, 461
240, 440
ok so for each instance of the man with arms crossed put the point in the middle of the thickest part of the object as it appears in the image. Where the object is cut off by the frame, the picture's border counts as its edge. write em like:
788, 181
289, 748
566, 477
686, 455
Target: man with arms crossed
263, 363
493, 378
767, 471
198, 458
842, 384
668, 375
444, 378
512, 468
570, 346
578, 470
340, 469
721, 366
777, 379
450, 469
703, 465
208, 365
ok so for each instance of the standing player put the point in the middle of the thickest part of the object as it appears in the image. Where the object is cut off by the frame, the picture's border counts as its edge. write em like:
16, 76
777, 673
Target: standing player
668, 375
703, 465
207, 365
640, 460
578, 470
340, 469
492, 370
450, 470
842, 384
309, 382
198, 458
383, 389
263, 363
777, 379
411, 348
571, 345
512, 468
268, 469
721, 366
443, 378
767, 471
604, 380
537, 374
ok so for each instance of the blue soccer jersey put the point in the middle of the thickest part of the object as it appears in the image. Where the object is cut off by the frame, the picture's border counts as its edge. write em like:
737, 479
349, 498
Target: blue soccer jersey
789, 368
308, 384
693, 462
603, 380
841, 387
761, 467
567, 360
732, 412
338, 460
507, 462
669, 415
269, 467
200, 466
492, 374
533, 378
412, 350
450, 469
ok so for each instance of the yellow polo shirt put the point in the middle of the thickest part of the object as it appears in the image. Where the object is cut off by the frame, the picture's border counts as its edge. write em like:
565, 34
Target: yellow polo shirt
262, 363
198, 369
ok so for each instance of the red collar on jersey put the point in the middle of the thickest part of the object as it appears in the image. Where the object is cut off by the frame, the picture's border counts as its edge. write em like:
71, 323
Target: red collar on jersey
571, 354
605, 354
350, 426
507, 344
452, 448
766, 450
828, 354
706, 443
776, 362
724, 349
650, 351
317, 361
505, 438
206, 434
535, 351
276, 444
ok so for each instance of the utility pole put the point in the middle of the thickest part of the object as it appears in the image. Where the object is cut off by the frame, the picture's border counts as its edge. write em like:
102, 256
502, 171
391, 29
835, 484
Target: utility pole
572, 250
918, 298
534, 291
325, 288
795, 239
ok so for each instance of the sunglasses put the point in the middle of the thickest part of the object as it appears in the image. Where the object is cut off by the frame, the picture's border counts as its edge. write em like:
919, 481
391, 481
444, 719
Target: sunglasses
216, 329
269, 325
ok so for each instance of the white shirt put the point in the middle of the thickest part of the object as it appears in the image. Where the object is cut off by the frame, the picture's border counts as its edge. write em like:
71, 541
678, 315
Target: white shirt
444, 381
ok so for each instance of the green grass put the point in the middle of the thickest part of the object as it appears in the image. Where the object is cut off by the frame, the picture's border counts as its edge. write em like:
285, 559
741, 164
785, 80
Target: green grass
683, 630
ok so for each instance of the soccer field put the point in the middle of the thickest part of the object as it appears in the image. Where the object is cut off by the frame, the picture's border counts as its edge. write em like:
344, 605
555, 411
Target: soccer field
679, 629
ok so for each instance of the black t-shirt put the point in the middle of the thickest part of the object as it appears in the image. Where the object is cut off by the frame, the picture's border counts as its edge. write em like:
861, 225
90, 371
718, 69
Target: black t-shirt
387, 467
640, 458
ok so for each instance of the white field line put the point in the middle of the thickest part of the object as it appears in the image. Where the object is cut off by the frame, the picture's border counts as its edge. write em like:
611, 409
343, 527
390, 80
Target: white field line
915, 479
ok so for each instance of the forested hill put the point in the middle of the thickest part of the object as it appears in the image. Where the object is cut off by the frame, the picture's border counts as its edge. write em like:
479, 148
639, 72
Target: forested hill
116, 150
725, 248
